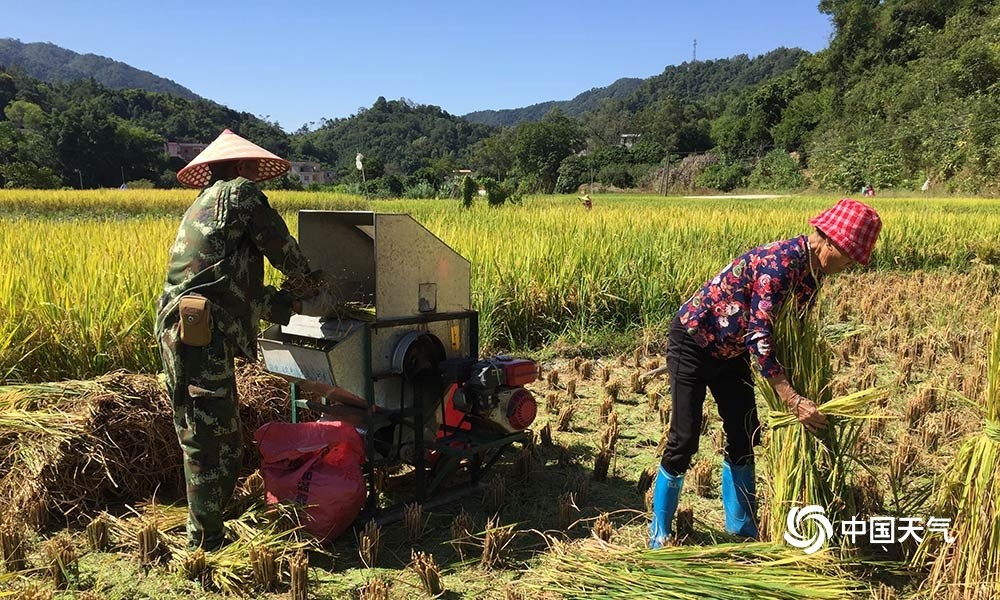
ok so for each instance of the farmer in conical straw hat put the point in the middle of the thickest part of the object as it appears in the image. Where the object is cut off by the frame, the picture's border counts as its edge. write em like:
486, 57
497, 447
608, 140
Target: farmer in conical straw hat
726, 326
212, 301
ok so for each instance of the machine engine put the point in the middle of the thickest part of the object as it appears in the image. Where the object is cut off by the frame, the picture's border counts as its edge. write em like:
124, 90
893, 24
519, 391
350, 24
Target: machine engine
491, 391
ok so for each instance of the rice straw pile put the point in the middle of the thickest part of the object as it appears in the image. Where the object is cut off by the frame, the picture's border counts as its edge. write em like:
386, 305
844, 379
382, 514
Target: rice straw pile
74, 447
251, 525
967, 492
805, 468
765, 571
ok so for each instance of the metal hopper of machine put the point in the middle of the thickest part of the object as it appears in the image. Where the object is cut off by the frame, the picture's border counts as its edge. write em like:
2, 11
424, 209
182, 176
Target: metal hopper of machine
408, 348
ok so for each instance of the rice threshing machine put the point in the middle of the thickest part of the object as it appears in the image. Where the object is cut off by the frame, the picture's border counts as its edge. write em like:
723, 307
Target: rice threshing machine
425, 398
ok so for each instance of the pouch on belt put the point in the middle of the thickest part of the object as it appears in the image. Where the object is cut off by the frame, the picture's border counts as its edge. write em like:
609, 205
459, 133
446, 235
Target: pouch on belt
196, 320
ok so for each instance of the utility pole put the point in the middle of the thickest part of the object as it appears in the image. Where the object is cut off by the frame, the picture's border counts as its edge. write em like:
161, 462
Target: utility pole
694, 51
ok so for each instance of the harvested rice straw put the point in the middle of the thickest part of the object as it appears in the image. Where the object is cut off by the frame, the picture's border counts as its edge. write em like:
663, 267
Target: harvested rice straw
193, 565
602, 463
494, 494
496, 539
55, 425
580, 486
61, 559
966, 492
370, 543
702, 474
602, 527
413, 519
13, 546
593, 569
565, 418
569, 512
430, 574
646, 479
298, 565
685, 521
97, 533
265, 567
461, 531
377, 588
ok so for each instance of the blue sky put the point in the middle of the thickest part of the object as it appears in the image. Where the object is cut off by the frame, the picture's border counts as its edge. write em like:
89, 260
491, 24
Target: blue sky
297, 62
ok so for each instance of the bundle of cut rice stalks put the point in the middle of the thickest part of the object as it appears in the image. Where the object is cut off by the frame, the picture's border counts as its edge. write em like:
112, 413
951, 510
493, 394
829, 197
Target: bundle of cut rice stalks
272, 528
967, 492
593, 569
807, 468
74, 447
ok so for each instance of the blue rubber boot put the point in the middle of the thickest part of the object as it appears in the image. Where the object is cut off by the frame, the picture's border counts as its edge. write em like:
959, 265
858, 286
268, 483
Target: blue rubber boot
666, 493
739, 499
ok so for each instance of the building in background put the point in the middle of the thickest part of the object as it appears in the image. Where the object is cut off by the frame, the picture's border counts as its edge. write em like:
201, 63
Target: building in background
310, 172
183, 150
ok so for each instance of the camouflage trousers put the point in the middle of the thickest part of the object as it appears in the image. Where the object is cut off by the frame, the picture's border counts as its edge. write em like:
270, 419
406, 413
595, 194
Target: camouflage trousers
201, 382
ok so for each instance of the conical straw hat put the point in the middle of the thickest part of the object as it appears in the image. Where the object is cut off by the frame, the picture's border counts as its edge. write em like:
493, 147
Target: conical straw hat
229, 146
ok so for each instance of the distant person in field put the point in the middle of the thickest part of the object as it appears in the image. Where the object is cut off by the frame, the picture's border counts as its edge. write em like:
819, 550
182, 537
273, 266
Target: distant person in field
724, 329
213, 300
587, 203
869, 191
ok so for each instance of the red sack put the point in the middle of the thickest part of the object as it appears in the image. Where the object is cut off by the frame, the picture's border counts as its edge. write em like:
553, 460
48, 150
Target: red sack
318, 465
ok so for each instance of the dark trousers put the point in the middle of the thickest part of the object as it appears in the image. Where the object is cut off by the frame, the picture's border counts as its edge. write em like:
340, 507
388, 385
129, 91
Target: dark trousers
692, 369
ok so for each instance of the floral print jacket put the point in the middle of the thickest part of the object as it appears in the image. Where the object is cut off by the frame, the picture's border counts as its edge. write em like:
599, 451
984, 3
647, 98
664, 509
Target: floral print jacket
733, 313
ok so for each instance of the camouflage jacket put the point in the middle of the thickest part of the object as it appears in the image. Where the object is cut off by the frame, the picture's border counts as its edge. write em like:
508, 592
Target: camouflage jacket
219, 253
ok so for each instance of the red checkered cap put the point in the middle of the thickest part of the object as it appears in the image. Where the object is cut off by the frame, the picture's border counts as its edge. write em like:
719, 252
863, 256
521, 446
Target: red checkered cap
853, 226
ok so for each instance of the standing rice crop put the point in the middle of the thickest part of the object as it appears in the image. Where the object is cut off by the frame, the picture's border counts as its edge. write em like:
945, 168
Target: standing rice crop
966, 492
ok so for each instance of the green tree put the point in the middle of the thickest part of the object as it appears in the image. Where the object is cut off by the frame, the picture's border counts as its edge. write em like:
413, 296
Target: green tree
539, 148
28, 175
469, 189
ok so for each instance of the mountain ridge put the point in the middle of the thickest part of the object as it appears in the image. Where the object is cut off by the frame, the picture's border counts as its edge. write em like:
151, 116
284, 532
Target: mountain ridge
51, 63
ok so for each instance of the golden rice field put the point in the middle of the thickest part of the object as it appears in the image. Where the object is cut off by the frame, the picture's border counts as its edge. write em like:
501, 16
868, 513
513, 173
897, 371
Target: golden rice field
80, 271
591, 292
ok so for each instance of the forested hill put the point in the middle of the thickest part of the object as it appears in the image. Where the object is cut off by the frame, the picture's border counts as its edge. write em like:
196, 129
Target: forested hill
51, 63
688, 81
401, 135
582, 103
82, 133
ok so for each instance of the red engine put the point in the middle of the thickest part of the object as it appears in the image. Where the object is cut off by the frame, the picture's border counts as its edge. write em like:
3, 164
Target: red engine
490, 391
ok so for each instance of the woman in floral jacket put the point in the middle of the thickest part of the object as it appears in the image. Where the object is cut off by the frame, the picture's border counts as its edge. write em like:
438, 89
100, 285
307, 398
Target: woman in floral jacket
727, 325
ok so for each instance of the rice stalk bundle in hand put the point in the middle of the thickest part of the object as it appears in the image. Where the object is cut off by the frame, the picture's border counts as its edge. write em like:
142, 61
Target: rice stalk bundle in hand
762, 571
966, 492
805, 468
